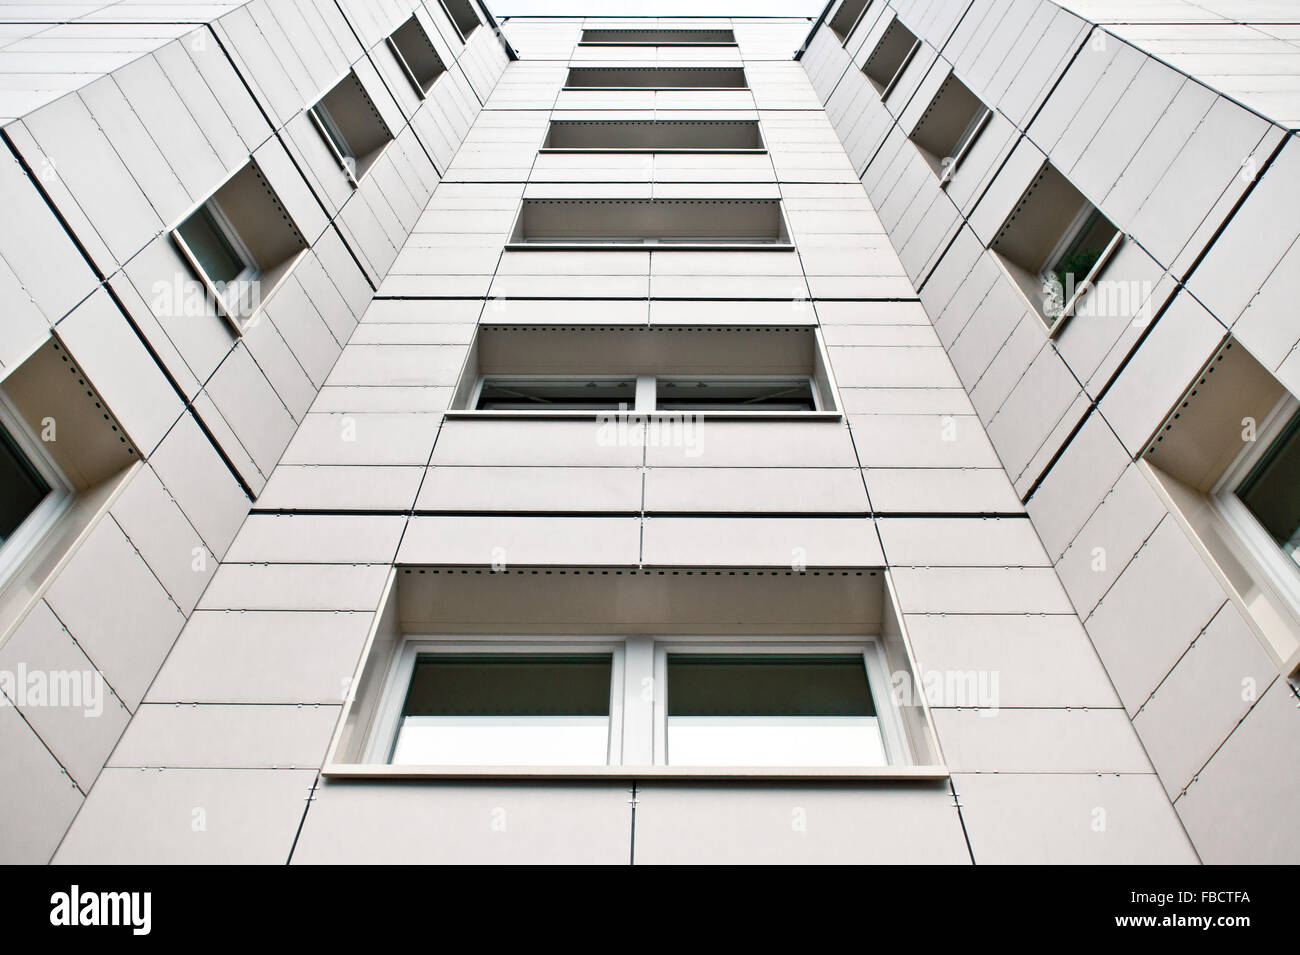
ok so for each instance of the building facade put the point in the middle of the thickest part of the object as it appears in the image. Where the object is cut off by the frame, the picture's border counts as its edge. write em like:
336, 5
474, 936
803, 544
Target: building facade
563, 440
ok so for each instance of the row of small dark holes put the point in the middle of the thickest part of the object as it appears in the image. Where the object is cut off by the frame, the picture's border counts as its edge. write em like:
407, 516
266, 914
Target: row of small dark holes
1188, 400
82, 381
1038, 181
266, 186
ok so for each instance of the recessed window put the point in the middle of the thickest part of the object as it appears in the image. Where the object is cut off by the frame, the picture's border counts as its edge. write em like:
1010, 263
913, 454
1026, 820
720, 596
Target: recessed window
847, 17
216, 245
895, 49
735, 394
1055, 244
416, 55
33, 490
594, 370
612, 37
653, 136
1259, 497
240, 243
637, 223
555, 394
463, 16
512, 709
656, 78
950, 124
1227, 462
771, 709
350, 124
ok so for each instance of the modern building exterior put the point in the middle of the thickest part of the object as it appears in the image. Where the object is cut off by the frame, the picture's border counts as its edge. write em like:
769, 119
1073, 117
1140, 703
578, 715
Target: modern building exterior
430, 439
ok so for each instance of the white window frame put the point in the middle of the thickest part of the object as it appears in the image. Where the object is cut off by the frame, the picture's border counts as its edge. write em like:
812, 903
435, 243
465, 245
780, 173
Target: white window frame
37, 525
329, 130
1068, 237
647, 397
964, 144
388, 717
249, 273
897, 752
632, 671
1254, 540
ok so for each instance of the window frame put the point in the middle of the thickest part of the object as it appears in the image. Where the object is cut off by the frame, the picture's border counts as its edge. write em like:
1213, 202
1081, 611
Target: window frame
250, 271
38, 523
382, 738
631, 672
1256, 543
646, 403
893, 736
329, 131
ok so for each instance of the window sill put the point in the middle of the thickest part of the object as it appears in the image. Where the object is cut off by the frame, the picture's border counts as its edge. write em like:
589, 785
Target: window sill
578, 246
471, 413
674, 150
686, 773
654, 89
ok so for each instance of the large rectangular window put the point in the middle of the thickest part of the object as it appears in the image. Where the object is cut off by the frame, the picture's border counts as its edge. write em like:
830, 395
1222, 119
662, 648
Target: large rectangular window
666, 135
666, 37
773, 709
575, 371
656, 78
638, 223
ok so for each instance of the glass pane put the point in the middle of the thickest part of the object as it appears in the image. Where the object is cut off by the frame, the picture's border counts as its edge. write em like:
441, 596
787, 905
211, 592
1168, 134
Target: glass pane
215, 254
734, 394
1084, 251
1272, 490
775, 741
21, 487
557, 394
771, 710
506, 709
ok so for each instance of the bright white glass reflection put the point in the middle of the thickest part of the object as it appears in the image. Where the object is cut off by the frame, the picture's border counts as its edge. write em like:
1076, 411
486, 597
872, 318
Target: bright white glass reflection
775, 741
502, 741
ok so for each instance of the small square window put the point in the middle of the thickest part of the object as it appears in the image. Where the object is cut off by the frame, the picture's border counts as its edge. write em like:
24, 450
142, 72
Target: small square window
350, 124
949, 126
216, 246
1054, 245
463, 16
889, 59
773, 709
416, 55
848, 16
241, 243
548, 709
